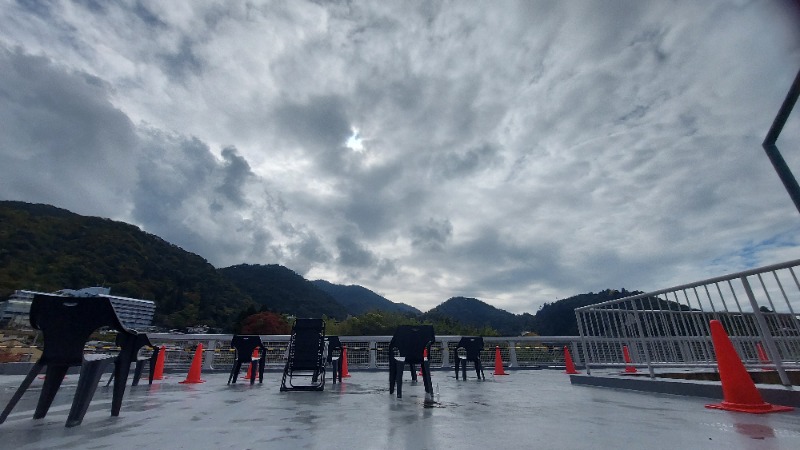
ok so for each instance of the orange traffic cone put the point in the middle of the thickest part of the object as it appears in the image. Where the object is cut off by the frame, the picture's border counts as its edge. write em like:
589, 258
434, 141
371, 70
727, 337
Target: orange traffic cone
629, 368
158, 373
250, 366
345, 373
762, 355
424, 357
498, 362
194, 371
568, 362
738, 390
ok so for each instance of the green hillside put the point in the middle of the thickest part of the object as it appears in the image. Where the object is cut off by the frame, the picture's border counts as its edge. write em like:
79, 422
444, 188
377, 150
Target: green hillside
279, 289
359, 300
45, 248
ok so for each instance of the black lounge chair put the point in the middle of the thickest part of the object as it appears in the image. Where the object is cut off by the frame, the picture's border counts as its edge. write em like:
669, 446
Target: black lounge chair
408, 345
244, 345
305, 364
472, 347
66, 324
334, 357
141, 341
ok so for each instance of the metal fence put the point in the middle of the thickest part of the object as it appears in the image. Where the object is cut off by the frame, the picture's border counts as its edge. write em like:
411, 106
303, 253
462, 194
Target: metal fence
369, 352
670, 327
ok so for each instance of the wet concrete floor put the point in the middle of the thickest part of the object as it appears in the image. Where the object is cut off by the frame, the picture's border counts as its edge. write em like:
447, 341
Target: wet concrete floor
525, 409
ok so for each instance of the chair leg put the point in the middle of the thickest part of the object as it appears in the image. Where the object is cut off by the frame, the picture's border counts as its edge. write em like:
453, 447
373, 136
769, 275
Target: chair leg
392, 374
457, 364
88, 380
413, 373
234, 372
137, 372
426, 380
37, 367
121, 372
480, 369
399, 369
464, 369
54, 375
253, 369
262, 361
335, 369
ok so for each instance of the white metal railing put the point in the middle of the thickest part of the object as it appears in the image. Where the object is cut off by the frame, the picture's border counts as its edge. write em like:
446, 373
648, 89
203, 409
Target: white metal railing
670, 327
368, 352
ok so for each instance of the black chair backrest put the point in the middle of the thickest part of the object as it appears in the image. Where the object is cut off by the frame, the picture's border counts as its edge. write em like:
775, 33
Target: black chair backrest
308, 340
411, 340
472, 345
244, 345
68, 322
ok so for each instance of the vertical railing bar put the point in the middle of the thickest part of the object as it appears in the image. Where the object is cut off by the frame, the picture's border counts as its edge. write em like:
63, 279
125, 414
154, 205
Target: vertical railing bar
774, 318
766, 336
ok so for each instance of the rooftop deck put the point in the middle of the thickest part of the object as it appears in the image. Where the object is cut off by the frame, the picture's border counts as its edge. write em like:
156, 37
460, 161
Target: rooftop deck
526, 409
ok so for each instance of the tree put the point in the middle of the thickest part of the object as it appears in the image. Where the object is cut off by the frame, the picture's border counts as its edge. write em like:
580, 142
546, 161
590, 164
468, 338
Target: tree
265, 322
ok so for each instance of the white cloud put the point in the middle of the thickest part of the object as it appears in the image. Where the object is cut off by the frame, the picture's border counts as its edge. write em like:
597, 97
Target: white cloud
519, 152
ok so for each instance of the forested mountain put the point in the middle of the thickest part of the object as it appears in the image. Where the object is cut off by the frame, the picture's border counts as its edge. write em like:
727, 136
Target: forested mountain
477, 313
558, 318
45, 248
552, 319
281, 290
359, 300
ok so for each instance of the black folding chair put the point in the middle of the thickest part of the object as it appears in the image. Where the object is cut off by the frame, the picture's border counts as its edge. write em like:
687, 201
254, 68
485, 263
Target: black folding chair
244, 345
141, 341
471, 347
334, 357
66, 324
305, 364
408, 345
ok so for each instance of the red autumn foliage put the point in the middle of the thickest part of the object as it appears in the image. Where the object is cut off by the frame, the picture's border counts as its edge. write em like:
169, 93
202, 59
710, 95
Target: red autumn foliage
265, 323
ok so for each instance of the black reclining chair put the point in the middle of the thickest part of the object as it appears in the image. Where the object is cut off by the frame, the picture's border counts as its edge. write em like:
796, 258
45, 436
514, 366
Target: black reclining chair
244, 345
305, 365
66, 324
408, 345
141, 341
334, 357
472, 347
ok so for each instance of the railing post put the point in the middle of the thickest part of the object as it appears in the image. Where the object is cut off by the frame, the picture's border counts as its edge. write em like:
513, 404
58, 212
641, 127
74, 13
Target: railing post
772, 349
373, 354
512, 354
584, 341
643, 340
445, 354
208, 359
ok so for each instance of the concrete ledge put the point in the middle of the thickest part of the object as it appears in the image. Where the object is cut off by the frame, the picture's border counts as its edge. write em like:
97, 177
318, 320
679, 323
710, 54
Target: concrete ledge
778, 395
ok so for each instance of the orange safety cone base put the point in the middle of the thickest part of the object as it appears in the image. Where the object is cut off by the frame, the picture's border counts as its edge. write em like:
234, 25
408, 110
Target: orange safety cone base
498, 362
739, 392
345, 372
762, 408
629, 368
570, 366
193, 377
159, 371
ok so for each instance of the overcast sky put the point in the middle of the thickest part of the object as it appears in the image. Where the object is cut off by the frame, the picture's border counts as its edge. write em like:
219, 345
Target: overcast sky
516, 152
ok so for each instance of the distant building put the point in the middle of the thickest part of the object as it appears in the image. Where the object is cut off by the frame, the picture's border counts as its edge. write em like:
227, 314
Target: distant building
132, 312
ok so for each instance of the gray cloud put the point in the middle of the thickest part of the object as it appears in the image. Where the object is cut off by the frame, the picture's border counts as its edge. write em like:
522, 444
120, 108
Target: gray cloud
520, 153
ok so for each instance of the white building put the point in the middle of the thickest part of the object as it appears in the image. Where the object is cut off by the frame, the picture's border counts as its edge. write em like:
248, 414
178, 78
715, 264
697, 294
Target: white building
133, 312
